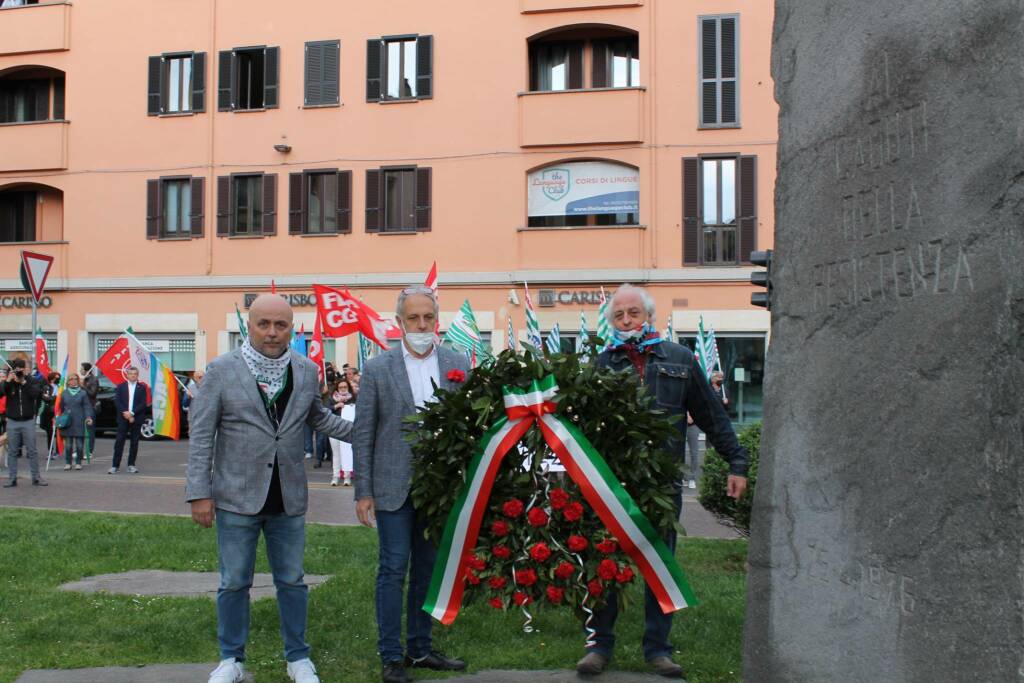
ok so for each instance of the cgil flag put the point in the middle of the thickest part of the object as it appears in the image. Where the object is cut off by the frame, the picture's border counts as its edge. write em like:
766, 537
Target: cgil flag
316, 350
243, 329
511, 336
604, 328
342, 314
42, 357
532, 326
554, 341
581, 341
464, 334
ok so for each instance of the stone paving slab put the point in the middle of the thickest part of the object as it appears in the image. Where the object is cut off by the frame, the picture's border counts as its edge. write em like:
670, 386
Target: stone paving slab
154, 673
506, 676
155, 582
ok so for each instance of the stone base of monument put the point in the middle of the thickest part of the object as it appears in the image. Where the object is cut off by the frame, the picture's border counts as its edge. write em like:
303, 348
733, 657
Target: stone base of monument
159, 583
154, 673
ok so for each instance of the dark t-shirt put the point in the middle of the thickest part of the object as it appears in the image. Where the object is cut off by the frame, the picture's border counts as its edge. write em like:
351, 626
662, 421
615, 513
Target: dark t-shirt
274, 505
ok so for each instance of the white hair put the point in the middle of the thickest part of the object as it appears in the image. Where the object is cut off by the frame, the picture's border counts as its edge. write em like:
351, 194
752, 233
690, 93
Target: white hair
410, 291
626, 288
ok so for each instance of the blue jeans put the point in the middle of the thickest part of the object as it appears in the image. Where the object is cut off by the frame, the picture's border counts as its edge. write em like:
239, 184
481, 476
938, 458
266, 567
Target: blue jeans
307, 439
657, 624
237, 536
401, 536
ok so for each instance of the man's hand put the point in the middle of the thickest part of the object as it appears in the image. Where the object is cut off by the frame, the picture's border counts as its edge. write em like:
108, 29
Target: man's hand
735, 486
365, 512
202, 512
88, 421
127, 414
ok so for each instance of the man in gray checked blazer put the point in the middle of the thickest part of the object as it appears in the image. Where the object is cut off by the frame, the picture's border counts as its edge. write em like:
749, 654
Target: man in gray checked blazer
246, 469
394, 384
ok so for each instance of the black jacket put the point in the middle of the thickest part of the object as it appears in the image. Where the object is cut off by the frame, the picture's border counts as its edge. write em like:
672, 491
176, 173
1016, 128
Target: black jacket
22, 399
674, 378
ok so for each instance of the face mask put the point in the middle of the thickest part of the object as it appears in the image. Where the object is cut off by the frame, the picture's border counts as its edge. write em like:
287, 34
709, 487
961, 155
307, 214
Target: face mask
624, 336
420, 342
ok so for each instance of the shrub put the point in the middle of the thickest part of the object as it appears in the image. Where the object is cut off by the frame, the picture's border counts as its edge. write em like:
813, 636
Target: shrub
712, 484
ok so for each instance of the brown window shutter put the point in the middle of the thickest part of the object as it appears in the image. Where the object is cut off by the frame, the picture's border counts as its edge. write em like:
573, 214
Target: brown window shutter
156, 75
691, 211
373, 200
58, 99
314, 74
344, 201
575, 66
332, 65
198, 203
224, 208
600, 49
225, 80
199, 81
152, 209
747, 203
271, 57
296, 201
423, 182
270, 204
425, 67
374, 62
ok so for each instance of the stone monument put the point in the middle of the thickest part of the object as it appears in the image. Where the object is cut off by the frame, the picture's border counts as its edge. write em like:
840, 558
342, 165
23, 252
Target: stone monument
887, 537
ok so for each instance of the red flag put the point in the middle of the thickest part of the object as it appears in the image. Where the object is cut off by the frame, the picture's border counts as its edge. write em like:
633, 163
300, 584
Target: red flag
342, 314
431, 280
316, 349
273, 287
42, 358
116, 359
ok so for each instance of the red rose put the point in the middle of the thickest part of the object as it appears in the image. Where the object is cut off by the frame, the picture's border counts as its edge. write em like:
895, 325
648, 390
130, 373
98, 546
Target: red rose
456, 375
501, 552
625, 576
537, 517
475, 562
559, 498
540, 551
521, 598
573, 511
472, 577
607, 546
555, 594
577, 544
595, 588
564, 570
528, 577
497, 582
513, 508
607, 569
499, 528
496, 603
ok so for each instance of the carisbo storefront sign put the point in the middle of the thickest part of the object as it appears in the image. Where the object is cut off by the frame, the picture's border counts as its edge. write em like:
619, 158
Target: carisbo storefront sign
568, 297
23, 302
294, 300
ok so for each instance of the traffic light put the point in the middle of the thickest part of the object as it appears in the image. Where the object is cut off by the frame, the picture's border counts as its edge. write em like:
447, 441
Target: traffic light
762, 278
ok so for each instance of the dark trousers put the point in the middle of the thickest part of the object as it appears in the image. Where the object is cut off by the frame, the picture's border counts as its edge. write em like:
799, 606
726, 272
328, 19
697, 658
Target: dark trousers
657, 624
132, 431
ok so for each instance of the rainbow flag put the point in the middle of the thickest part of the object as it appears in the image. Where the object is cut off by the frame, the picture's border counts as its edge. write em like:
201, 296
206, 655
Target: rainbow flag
56, 404
163, 388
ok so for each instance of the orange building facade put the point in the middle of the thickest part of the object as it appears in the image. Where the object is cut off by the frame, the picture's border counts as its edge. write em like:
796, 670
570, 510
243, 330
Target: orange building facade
175, 158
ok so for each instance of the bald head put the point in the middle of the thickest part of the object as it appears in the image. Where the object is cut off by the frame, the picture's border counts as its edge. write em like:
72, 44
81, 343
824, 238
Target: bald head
270, 325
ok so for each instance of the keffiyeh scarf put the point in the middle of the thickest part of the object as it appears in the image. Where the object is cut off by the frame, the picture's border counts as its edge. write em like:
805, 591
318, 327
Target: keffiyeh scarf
270, 373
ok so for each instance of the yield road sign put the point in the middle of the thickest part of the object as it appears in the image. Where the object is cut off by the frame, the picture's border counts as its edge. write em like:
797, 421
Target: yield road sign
36, 267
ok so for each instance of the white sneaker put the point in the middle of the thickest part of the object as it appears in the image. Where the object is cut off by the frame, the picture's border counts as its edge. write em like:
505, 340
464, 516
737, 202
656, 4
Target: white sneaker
303, 671
132, 469
229, 671
112, 470
309, 456
67, 467
348, 481
78, 466
692, 484
334, 481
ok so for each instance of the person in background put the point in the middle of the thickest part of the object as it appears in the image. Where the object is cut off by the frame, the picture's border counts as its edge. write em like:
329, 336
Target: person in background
131, 404
23, 393
342, 401
91, 385
49, 398
77, 410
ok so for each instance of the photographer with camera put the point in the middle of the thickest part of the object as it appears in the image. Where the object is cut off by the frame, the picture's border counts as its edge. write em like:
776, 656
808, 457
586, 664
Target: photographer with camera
23, 393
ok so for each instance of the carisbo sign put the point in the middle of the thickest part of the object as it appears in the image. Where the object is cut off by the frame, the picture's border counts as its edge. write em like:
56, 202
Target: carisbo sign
23, 302
294, 300
567, 297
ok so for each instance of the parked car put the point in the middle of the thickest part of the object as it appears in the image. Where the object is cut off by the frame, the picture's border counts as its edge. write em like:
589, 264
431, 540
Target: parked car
106, 414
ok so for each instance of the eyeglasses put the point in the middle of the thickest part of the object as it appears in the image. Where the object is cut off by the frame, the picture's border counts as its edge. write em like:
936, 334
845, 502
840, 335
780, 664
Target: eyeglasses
418, 289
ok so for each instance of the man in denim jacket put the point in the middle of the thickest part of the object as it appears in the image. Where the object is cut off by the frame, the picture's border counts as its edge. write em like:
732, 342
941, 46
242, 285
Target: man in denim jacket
674, 378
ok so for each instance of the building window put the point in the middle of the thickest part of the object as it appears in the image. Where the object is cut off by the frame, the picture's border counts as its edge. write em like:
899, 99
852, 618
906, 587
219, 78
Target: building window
322, 63
248, 204
177, 198
582, 193
18, 216
320, 202
719, 95
24, 100
399, 68
398, 199
247, 79
718, 180
557, 60
174, 207
177, 83
719, 209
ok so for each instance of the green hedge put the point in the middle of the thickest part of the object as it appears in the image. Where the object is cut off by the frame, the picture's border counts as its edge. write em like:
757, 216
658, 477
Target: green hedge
712, 484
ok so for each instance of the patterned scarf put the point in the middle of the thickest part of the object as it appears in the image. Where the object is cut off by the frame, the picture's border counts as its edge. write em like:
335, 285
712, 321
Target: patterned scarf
270, 373
637, 349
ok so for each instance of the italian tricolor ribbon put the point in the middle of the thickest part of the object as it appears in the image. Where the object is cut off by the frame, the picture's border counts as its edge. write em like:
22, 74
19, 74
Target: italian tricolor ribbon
601, 488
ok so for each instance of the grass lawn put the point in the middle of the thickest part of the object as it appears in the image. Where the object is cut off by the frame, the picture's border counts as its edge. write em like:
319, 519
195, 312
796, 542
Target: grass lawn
41, 627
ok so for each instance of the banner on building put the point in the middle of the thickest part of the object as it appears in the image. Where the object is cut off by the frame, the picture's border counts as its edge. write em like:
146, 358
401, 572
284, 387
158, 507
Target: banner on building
582, 188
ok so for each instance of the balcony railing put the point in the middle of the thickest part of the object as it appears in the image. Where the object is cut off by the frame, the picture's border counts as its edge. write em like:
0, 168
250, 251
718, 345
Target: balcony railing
37, 146
45, 27
562, 5
579, 117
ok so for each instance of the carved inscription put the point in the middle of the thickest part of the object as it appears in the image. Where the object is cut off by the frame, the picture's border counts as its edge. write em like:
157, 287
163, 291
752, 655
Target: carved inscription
876, 585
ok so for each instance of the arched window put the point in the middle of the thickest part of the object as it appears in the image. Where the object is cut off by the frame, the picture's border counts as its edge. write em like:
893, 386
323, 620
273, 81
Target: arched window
580, 193
31, 213
31, 93
582, 57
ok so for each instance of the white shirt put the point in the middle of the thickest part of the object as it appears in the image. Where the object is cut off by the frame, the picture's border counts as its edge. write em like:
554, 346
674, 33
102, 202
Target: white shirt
421, 371
131, 396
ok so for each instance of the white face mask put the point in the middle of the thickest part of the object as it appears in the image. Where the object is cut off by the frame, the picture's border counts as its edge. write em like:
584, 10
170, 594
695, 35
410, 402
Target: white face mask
419, 342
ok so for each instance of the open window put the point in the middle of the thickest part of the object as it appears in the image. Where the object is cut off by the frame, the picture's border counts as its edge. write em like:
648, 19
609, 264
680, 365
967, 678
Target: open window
581, 57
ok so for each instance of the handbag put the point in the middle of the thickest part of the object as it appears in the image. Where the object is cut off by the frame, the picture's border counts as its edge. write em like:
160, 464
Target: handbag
63, 421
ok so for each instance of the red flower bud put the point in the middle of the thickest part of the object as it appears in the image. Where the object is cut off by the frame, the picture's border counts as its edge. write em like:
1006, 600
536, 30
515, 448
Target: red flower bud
476, 562
528, 577
607, 546
537, 517
501, 552
555, 594
456, 375
496, 603
625, 576
540, 551
607, 569
577, 544
513, 508
564, 570
499, 528
559, 498
595, 588
521, 598
497, 582
572, 511
472, 577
